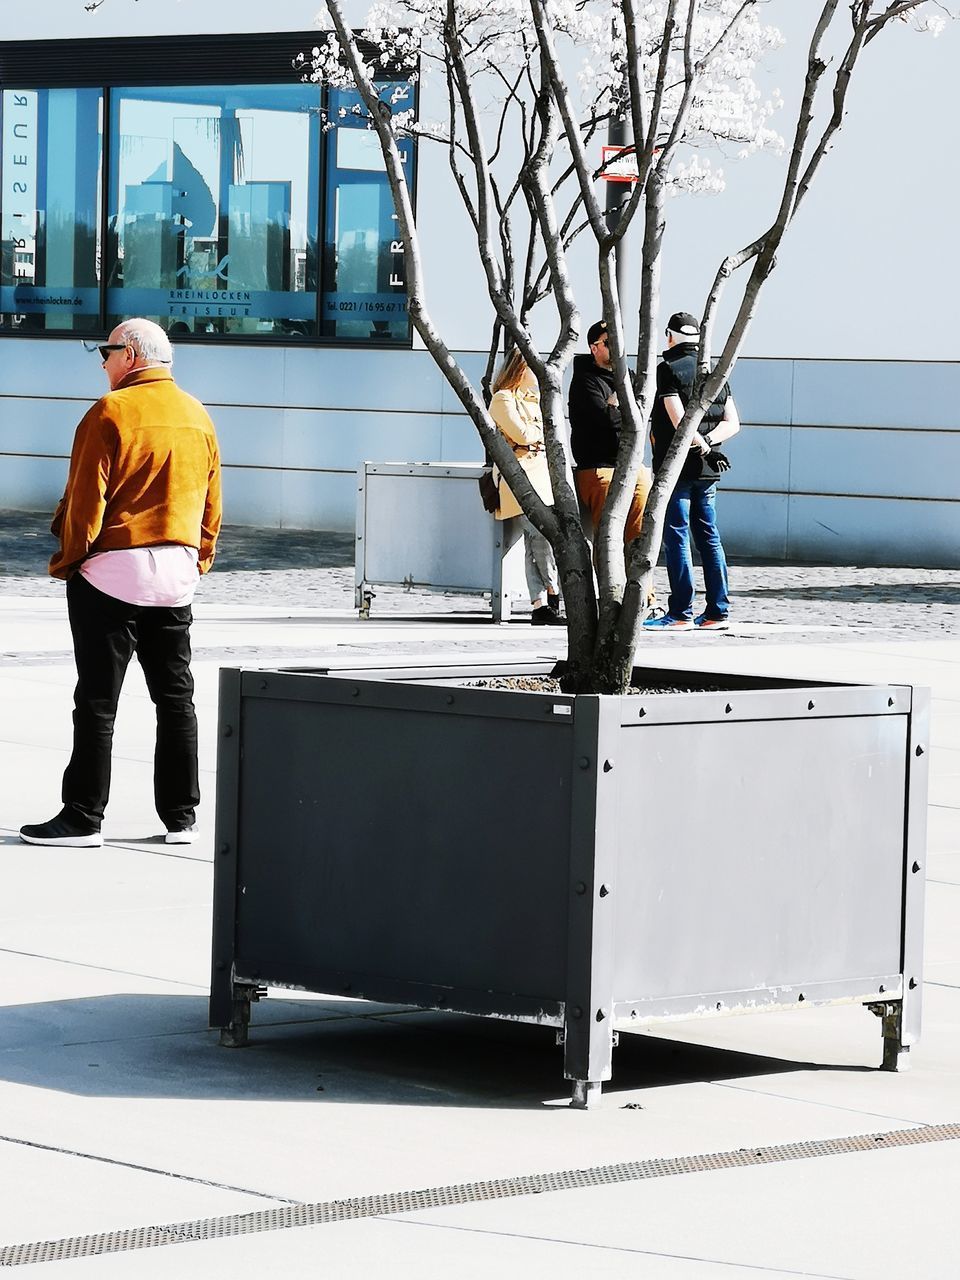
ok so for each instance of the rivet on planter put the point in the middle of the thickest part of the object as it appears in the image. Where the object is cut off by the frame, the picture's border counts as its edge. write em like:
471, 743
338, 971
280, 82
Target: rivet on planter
811, 704
600, 1015
881, 989
584, 762
915, 868
264, 684
580, 887
221, 965
604, 891
354, 693
642, 712
228, 730
577, 1011
890, 702
919, 751
225, 848
801, 997
450, 699
912, 984
728, 708
607, 766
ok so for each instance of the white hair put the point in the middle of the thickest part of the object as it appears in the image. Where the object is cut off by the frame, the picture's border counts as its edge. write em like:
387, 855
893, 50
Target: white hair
148, 340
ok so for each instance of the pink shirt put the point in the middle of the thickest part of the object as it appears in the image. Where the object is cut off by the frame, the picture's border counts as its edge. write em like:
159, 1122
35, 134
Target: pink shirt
166, 575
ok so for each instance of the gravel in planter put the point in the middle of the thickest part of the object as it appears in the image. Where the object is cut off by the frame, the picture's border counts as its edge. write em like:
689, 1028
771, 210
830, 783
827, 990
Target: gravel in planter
549, 684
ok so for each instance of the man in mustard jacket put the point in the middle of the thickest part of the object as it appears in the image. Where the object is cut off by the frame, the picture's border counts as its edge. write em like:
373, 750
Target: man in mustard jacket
137, 526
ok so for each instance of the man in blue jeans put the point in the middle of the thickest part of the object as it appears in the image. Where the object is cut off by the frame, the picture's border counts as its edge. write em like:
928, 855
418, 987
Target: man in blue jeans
692, 507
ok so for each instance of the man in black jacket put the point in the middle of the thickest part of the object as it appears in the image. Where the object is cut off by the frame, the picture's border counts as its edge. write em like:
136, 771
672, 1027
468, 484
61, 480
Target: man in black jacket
595, 432
692, 506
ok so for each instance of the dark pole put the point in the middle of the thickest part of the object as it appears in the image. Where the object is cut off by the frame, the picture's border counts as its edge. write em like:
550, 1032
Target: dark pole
617, 136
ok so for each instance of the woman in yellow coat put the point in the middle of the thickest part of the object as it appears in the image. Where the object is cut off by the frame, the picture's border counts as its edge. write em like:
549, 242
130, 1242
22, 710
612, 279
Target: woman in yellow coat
515, 408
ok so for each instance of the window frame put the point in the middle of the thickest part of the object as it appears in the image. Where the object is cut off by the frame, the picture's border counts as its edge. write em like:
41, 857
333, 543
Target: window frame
114, 64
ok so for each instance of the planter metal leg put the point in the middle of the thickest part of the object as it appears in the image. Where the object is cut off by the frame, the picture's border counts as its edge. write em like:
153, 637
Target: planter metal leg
896, 1054
364, 599
235, 1034
586, 1094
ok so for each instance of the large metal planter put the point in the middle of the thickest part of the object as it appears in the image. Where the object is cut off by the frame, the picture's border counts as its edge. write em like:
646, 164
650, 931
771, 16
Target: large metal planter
594, 863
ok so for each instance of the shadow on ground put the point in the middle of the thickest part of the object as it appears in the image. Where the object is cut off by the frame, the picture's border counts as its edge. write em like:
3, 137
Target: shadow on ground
26, 545
863, 593
338, 1051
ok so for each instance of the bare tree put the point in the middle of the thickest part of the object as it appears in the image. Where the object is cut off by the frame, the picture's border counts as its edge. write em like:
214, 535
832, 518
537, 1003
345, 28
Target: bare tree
664, 73
517, 137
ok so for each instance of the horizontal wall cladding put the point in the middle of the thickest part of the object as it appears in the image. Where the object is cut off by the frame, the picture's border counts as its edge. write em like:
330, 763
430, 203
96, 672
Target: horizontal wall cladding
873, 531
882, 462
829, 454
763, 390
867, 393
754, 524
31, 484
760, 458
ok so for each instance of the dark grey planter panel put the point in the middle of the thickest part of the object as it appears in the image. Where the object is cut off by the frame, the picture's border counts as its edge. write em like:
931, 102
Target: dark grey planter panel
594, 863
402, 870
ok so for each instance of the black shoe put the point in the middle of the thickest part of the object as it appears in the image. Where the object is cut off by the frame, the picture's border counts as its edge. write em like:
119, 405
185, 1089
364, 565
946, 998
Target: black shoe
545, 617
553, 603
61, 831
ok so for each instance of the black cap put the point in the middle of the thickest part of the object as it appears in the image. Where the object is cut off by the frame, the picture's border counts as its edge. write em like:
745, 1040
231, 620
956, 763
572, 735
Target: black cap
595, 332
684, 323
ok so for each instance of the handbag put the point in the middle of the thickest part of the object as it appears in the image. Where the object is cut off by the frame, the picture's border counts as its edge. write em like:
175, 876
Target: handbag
489, 492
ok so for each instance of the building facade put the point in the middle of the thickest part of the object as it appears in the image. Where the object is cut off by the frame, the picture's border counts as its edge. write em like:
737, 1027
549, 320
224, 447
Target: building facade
189, 178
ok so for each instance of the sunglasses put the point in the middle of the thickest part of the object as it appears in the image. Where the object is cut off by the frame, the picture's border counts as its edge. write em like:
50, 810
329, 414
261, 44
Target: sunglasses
107, 347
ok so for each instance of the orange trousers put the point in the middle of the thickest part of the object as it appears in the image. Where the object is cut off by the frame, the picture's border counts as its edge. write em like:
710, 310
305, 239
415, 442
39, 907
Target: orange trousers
592, 487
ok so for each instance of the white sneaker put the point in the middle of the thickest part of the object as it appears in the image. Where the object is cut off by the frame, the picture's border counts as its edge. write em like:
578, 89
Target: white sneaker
186, 835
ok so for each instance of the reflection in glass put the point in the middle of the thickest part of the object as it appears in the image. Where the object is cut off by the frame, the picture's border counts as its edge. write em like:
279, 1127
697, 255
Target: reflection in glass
214, 208
50, 158
364, 276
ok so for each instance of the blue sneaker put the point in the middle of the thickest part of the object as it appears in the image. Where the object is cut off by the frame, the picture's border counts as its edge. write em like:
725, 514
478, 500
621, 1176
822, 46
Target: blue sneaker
666, 623
703, 623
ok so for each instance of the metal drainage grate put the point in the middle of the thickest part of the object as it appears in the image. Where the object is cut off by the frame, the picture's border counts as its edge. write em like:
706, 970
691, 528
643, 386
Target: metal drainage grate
324, 1211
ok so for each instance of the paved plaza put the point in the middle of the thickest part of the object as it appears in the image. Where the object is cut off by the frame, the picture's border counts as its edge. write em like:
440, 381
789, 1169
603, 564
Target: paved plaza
351, 1139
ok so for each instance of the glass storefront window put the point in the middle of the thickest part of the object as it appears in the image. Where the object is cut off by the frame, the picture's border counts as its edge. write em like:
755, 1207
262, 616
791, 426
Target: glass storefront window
364, 275
50, 159
214, 202
216, 210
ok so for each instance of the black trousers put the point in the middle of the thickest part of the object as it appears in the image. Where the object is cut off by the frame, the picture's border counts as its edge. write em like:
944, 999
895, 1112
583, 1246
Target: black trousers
106, 634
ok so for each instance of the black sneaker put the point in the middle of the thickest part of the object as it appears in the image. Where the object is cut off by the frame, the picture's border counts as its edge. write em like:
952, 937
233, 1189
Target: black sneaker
553, 603
61, 831
545, 617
